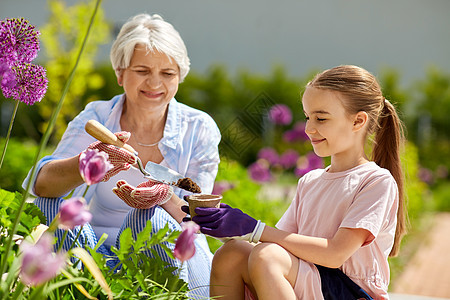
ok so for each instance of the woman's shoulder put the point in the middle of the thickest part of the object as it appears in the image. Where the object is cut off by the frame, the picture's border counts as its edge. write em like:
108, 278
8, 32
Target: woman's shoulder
190, 114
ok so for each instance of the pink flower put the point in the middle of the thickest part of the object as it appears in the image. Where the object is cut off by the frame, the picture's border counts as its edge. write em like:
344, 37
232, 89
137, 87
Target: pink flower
312, 162
93, 165
280, 114
268, 154
259, 172
39, 263
296, 134
73, 212
184, 246
289, 159
221, 187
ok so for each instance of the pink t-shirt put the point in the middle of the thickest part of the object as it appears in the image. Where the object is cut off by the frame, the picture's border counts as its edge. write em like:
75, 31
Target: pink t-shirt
363, 197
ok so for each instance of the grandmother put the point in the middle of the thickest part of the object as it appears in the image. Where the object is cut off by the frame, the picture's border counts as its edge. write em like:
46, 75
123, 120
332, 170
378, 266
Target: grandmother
150, 61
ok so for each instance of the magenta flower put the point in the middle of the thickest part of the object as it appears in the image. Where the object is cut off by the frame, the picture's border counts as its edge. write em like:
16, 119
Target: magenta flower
296, 134
18, 40
93, 165
7, 77
184, 246
312, 162
259, 172
280, 114
31, 83
73, 212
289, 159
221, 187
39, 263
268, 154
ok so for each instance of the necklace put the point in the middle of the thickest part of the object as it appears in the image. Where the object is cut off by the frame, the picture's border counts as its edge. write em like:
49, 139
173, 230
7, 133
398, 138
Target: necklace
148, 145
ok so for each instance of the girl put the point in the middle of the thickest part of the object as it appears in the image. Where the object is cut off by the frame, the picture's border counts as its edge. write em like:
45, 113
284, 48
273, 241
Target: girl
334, 240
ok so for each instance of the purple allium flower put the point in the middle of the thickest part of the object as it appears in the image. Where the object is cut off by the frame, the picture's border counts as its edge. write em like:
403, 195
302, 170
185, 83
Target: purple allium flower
73, 212
312, 162
184, 246
221, 187
280, 114
18, 40
7, 77
296, 134
268, 154
425, 175
289, 159
39, 263
31, 83
258, 172
93, 165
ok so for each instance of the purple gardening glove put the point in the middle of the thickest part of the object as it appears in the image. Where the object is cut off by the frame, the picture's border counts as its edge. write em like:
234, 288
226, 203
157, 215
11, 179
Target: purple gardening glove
228, 222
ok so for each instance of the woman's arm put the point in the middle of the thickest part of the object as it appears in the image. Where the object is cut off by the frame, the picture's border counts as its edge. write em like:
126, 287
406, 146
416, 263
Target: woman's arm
58, 177
330, 253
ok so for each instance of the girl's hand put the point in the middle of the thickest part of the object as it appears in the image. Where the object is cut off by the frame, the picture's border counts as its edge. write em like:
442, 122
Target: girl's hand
227, 222
120, 158
145, 195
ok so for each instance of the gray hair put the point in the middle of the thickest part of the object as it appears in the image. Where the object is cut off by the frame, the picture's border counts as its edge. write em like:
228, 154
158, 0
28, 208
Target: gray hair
155, 34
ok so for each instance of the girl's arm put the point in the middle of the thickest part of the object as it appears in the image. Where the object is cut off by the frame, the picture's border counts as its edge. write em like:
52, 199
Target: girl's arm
331, 253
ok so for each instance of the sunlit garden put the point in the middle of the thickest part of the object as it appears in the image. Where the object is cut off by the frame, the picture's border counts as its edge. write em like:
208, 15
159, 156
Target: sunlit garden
263, 153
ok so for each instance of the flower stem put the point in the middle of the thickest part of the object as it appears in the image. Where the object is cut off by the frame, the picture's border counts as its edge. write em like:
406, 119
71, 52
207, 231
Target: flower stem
44, 141
9, 132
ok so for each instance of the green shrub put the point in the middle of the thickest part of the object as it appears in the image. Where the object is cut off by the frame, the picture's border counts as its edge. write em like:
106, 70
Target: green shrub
18, 161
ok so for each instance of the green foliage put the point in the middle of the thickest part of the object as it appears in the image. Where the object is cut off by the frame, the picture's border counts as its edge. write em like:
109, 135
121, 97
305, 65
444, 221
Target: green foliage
61, 37
139, 276
240, 105
18, 161
30, 218
416, 190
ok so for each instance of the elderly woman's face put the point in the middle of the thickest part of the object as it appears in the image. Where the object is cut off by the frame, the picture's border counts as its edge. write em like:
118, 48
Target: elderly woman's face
151, 80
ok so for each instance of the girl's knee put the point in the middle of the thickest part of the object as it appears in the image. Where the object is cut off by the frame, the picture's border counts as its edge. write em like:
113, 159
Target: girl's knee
264, 255
230, 255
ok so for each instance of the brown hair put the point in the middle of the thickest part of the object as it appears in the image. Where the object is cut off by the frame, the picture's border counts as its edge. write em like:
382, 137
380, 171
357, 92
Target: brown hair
362, 92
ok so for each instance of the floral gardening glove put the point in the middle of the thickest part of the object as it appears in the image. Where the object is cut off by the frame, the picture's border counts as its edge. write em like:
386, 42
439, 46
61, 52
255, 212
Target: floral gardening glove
145, 195
120, 158
227, 222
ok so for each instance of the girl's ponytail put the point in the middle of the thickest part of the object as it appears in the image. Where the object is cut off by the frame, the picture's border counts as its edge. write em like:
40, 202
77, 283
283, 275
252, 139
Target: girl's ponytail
386, 154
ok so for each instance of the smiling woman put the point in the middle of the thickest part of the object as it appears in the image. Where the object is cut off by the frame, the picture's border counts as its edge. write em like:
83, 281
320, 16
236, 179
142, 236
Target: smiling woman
150, 60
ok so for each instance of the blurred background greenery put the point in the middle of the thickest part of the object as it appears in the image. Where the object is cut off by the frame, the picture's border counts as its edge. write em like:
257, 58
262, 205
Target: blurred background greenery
231, 98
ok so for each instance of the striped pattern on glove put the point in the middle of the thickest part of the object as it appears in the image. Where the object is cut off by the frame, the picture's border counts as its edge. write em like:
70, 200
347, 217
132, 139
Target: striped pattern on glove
120, 158
145, 195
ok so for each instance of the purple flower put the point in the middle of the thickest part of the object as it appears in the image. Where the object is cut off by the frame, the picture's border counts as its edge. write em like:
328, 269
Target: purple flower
93, 165
268, 154
221, 187
31, 83
259, 172
296, 134
73, 212
184, 246
39, 263
289, 159
311, 162
18, 40
425, 175
280, 114
7, 77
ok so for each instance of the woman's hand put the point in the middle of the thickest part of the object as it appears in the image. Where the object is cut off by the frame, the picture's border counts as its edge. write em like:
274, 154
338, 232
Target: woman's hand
120, 158
145, 195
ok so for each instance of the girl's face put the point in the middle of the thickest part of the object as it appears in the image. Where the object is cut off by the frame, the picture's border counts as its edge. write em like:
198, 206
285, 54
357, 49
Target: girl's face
330, 129
151, 80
